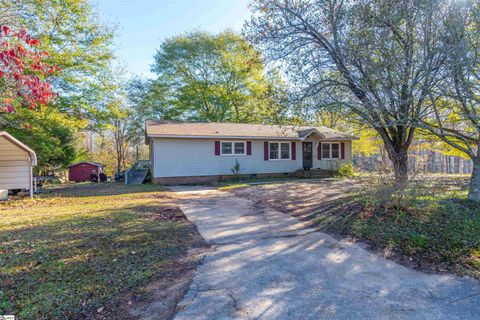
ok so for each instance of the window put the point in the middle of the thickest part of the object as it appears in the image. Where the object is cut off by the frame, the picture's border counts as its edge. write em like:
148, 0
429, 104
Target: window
239, 147
273, 150
285, 150
279, 150
325, 150
335, 151
226, 148
330, 150
232, 148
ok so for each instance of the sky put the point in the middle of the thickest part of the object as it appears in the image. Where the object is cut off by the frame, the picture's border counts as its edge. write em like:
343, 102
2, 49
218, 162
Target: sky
142, 25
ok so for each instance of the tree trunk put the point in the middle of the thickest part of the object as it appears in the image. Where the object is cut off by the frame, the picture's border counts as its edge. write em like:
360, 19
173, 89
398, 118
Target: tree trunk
400, 165
474, 191
397, 150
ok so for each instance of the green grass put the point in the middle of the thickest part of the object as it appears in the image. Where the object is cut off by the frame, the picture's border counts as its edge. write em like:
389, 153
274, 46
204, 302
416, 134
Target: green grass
437, 230
66, 254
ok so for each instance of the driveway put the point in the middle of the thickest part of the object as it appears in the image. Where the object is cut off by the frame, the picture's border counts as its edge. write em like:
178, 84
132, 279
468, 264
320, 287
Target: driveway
264, 264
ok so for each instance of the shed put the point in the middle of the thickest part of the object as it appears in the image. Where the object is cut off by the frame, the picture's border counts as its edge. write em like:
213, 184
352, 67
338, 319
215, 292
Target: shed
16, 162
82, 171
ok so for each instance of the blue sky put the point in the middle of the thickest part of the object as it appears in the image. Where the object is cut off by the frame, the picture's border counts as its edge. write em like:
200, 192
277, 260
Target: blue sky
143, 24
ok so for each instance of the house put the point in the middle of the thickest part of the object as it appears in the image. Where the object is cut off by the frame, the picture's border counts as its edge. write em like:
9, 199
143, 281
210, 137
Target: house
192, 152
82, 171
16, 162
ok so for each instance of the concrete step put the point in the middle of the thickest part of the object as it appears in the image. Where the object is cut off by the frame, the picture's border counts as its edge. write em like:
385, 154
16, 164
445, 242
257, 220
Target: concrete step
314, 174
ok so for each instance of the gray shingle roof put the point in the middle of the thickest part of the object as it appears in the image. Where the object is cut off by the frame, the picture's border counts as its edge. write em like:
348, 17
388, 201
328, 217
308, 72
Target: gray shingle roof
239, 130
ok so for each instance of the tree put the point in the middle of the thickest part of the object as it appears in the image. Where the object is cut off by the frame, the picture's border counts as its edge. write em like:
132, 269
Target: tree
79, 45
50, 132
213, 77
379, 58
77, 42
22, 71
455, 112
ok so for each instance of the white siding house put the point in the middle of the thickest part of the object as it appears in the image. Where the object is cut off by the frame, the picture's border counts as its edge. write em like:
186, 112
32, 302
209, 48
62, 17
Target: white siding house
16, 161
192, 152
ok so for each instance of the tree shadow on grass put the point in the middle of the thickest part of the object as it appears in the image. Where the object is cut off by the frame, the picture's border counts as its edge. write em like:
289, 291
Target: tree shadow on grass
67, 268
98, 189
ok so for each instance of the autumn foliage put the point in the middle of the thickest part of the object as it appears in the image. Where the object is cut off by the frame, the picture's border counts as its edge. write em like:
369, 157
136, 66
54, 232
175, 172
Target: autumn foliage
23, 71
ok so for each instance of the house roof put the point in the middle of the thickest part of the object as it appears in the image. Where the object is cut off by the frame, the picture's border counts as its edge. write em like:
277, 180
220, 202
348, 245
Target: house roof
88, 162
178, 129
18, 143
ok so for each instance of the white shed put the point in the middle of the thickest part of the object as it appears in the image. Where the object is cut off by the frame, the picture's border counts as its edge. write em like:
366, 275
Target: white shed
16, 162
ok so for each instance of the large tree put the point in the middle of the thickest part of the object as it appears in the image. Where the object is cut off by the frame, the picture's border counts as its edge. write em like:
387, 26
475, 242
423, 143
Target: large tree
379, 58
455, 106
80, 45
201, 76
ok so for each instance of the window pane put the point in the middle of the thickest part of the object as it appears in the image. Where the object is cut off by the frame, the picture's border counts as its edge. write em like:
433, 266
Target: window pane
285, 150
335, 150
326, 150
273, 150
239, 147
226, 148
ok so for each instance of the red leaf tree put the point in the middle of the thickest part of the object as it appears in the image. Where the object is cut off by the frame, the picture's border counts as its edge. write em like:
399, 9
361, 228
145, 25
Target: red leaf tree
23, 71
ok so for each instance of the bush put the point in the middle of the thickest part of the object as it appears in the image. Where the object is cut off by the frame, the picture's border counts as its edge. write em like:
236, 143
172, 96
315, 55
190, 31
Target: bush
236, 169
345, 170
386, 193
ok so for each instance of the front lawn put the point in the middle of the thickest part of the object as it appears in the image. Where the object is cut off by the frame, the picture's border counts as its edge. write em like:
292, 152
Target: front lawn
432, 227
80, 251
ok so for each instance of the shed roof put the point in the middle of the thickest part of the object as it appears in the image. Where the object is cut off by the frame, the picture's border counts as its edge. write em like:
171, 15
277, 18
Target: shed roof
21, 145
180, 129
98, 164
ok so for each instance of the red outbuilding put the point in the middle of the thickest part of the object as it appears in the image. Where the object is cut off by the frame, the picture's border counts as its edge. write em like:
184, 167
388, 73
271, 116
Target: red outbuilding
82, 171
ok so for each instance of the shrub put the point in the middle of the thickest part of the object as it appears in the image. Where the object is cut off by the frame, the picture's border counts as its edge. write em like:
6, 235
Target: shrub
236, 169
345, 170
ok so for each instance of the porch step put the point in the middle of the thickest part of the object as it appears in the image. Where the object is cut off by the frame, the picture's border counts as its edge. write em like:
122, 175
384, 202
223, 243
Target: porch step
138, 172
139, 176
314, 174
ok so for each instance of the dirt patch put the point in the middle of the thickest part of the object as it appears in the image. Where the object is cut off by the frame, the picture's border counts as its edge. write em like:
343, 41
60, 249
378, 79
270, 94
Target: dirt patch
299, 199
434, 236
161, 212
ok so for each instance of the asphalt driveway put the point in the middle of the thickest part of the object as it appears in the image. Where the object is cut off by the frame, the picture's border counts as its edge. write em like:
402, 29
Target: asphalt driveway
264, 264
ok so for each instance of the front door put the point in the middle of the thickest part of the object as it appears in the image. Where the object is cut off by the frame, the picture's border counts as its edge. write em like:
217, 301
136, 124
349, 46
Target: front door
307, 148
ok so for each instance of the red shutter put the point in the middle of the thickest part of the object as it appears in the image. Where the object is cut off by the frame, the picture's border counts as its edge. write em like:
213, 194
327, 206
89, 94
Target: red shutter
319, 151
294, 151
249, 148
342, 150
265, 151
217, 148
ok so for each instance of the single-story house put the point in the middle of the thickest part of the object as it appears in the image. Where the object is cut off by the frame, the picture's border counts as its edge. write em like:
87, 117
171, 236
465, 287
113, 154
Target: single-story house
16, 162
184, 152
82, 171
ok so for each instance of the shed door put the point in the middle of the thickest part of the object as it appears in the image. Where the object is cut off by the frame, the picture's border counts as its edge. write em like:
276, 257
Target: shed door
307, 148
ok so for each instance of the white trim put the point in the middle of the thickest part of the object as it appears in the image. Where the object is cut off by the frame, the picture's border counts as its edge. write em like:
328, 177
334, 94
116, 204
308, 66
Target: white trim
312, 131
280, 150
330, 151
30, 191
224, 137
233, 148
174, 136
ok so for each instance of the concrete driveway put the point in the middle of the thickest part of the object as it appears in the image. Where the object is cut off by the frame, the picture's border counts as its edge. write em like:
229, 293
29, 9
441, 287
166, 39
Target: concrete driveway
265, 265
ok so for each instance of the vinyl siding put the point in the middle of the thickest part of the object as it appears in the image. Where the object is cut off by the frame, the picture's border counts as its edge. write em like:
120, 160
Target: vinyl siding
330, 164
196, 157
15, 168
